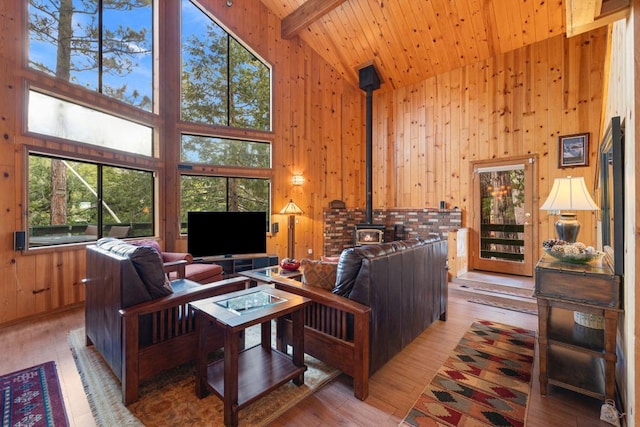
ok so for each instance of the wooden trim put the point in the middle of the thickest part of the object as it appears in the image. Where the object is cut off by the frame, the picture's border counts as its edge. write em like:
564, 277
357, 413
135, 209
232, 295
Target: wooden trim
633, 270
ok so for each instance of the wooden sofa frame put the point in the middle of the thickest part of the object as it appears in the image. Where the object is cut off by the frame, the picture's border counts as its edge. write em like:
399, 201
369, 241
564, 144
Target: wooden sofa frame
326, 332
115, 331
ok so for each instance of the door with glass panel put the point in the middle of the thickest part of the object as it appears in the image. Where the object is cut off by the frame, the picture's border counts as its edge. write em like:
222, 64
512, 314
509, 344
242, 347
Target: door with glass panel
503, 216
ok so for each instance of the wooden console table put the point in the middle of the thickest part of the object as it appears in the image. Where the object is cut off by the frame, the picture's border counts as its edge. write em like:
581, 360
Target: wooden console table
242, 377
573, 356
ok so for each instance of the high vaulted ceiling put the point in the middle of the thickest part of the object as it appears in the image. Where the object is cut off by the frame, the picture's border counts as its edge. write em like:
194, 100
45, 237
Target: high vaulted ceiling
411, 40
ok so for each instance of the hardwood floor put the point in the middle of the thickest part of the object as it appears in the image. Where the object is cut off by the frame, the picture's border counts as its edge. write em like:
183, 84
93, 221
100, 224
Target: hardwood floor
393, 389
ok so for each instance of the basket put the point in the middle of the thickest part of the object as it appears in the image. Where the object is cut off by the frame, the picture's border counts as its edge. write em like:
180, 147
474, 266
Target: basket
592, 321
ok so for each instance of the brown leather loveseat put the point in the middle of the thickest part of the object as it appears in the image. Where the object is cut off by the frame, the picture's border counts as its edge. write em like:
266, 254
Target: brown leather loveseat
384, 296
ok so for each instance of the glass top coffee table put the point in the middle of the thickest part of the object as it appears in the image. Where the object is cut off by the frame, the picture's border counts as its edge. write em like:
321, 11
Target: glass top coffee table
258, 369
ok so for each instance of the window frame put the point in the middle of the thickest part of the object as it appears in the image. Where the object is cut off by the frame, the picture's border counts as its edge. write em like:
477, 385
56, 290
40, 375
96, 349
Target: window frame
166, 125
29, 150
35, 89
264, 174
99, 90
232, 35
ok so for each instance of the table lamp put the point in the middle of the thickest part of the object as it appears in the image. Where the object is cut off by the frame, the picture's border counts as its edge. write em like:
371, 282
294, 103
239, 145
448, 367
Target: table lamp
292, 210
569, 193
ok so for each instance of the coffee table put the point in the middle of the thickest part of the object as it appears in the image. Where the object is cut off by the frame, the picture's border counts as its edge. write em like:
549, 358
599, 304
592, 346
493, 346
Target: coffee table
242, 377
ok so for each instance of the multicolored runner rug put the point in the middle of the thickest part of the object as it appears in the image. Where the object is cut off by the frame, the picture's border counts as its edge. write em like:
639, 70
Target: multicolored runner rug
32, 397
485, 381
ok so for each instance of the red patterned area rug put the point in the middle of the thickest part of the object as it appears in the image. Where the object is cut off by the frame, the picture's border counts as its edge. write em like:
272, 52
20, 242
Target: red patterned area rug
32, 397
485, 381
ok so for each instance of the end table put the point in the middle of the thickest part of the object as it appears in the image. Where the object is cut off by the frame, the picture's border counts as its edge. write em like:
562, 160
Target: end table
242, 377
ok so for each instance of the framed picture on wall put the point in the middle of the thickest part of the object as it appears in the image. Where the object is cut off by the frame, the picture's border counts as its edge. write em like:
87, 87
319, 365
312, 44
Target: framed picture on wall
573, 150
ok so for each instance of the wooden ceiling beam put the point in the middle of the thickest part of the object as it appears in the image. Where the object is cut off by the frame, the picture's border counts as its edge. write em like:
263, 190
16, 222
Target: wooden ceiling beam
305, 15
587, 15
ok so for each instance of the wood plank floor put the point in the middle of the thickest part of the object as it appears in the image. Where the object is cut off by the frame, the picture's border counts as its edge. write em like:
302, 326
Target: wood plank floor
393, 389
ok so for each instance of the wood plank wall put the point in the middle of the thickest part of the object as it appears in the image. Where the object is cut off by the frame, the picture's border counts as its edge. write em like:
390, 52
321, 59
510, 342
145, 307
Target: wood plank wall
514, 104
318, 131
425, 135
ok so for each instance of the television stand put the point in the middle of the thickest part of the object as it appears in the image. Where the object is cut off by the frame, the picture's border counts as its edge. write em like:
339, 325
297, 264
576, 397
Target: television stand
233, 264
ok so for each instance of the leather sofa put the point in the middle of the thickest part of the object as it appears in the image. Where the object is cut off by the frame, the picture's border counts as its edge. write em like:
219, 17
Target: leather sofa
384, 296
139, 321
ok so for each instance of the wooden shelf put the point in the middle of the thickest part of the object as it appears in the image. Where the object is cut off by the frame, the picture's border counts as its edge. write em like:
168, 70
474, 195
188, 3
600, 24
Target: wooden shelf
564, 330
576, 371
232, 265
260, 370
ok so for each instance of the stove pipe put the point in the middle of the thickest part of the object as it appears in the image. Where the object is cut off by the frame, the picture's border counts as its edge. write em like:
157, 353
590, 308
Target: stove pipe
369, 81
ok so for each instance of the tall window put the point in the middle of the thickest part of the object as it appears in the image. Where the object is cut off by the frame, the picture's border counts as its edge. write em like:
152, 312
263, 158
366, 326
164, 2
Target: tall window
73, 201
223, 83
222, 194
105, 46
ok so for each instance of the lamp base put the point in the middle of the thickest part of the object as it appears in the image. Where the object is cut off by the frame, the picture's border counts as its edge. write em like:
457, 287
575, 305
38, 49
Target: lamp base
567, 227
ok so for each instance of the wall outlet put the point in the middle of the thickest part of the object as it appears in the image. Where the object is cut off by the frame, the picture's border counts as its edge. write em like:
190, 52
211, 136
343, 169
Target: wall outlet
310, 251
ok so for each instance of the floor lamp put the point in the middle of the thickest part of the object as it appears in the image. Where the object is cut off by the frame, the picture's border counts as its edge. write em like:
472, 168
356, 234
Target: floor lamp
569, 193
292, 210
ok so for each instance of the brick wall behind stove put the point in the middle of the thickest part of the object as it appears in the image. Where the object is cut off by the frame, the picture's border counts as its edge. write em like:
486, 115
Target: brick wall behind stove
339, 225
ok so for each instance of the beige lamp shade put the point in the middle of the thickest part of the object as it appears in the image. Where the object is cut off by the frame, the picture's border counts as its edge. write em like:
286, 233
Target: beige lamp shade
569, 193
291, 209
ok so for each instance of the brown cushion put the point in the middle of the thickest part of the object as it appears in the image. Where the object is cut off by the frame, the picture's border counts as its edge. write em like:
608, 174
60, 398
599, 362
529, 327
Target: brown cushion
319, 273
201, 273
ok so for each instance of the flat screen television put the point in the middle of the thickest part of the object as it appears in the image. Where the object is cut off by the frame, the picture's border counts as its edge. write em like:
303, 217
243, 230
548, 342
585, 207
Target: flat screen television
226, 233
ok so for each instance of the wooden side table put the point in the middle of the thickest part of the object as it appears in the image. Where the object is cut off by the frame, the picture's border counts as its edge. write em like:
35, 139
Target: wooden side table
573, 356
242, 377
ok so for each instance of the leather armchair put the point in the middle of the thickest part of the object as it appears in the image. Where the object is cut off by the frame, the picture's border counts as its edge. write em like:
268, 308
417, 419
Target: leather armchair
180, 264
197, 272
139, 326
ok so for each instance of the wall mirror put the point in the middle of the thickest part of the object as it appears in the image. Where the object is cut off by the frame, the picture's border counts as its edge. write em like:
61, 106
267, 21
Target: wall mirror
611, 188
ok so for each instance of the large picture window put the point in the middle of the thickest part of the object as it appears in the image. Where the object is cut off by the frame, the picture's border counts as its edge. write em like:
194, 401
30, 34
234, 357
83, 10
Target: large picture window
73, 201
105, 46
223, 194
223, 83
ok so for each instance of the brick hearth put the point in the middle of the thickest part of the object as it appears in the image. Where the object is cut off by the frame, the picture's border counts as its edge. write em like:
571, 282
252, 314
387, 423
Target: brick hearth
340, 223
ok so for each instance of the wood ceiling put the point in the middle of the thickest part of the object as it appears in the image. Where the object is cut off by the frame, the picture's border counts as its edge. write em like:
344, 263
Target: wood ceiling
411, 40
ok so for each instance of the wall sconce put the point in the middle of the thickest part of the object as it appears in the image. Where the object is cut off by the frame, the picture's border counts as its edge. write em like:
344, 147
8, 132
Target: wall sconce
292, 210
297, 179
